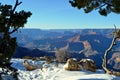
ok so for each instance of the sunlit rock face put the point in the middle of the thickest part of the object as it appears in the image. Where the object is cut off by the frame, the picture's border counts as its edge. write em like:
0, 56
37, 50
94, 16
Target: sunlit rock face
88, 64
72, 64
84, 64
28, 66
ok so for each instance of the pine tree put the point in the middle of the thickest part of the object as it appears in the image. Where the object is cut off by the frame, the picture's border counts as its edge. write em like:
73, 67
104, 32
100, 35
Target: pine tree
104, 7
10, 21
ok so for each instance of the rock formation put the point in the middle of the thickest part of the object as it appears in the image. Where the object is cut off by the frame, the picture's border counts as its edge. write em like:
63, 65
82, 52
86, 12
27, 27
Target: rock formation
72, 64
88, 64
29, 66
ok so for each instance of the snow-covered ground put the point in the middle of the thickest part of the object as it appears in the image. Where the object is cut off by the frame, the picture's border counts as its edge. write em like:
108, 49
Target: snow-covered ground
58, 73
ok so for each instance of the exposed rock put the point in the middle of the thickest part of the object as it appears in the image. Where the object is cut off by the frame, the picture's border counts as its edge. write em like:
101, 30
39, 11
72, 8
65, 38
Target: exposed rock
74, 39
88, 64
43, 58
72, 64
86, 45
49, 59
88, 52
114, 61
28, 66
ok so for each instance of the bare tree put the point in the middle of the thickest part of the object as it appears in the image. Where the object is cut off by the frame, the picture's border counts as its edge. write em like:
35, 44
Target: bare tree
113, 43
62, 55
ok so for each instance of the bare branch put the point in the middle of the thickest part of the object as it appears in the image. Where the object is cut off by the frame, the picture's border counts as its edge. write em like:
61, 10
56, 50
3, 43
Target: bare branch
104, 65
16, 4
115, 27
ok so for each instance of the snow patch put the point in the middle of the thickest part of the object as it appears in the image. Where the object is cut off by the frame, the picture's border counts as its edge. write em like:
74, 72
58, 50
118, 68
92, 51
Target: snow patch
57, 73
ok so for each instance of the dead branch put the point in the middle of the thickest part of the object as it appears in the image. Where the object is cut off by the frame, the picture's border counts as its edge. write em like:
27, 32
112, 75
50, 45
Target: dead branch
104, 65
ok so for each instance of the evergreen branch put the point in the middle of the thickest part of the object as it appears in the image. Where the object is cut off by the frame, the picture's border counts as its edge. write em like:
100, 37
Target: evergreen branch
12, 13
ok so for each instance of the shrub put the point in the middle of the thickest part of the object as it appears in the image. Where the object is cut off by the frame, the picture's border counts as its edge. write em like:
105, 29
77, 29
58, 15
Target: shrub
62, 55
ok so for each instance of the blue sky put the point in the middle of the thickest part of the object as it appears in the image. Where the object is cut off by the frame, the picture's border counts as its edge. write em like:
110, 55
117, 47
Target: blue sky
58, 14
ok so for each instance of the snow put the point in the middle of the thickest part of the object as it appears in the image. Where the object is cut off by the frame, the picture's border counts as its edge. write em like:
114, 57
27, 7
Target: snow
57, 73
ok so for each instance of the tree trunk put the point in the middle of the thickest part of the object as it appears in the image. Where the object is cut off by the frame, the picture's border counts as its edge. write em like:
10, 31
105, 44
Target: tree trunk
104, 65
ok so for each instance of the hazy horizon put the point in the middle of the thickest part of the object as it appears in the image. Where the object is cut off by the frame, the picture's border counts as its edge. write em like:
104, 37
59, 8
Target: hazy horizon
67, 28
